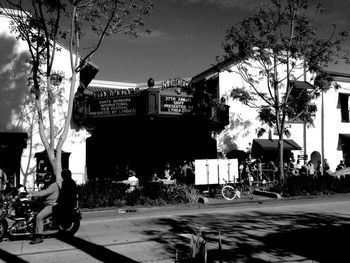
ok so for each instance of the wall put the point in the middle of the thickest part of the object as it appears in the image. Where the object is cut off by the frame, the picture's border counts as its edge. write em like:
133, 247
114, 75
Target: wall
332, 119
13, 94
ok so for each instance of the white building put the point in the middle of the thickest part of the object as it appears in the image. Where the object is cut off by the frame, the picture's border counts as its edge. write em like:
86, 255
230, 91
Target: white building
18, 115
328, 137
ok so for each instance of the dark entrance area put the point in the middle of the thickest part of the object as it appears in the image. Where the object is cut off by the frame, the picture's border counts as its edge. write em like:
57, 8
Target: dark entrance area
144, 129
145, 146
43, 164
344, 146
11, 148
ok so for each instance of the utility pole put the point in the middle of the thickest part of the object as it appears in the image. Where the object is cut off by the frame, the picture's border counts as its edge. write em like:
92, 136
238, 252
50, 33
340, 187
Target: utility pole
322, 131
304, 124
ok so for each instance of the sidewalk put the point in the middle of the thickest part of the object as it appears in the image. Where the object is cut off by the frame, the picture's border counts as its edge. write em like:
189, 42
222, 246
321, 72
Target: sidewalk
142, 239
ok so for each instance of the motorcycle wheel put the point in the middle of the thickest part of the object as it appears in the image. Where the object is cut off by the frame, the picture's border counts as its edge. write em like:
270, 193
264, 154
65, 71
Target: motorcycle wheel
69, 228
3, 229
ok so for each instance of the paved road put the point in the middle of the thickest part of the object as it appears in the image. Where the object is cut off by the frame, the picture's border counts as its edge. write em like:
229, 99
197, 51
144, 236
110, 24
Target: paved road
315, 230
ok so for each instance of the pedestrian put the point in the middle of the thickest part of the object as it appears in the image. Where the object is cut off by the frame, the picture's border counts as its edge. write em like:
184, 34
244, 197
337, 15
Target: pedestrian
311, 168
340, 166
259, 169
319, 168
297, 168
187, 173
168, 174
273, 169
326, 168
3, 180
132, 180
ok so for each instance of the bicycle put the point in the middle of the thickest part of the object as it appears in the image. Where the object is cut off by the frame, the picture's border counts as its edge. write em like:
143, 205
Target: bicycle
231, 191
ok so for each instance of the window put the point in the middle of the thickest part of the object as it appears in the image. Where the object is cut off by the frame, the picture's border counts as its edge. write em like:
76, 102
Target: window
344, 107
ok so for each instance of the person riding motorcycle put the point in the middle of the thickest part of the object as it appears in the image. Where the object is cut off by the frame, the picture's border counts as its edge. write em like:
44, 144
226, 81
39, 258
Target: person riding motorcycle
50, 195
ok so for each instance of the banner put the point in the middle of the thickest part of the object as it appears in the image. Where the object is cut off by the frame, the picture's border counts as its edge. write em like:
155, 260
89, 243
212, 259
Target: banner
215, 171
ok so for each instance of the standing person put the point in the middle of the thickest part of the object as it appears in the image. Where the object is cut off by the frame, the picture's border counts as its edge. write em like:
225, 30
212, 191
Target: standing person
273, 168
50, 195
132, 180
326, 168
187, 173
3, 180
259, 169
184, 169
319, 168
167, 172
341, 165
311, 168
298, 168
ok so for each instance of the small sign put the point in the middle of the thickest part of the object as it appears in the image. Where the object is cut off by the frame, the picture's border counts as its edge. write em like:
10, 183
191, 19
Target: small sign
174, 83
56, 79
302, 157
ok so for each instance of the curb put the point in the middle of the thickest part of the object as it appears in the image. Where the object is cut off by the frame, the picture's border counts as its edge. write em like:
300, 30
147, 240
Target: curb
205, 202
267, 194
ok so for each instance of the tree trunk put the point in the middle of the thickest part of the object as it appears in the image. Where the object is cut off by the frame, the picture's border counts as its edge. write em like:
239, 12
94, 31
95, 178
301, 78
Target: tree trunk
280, 149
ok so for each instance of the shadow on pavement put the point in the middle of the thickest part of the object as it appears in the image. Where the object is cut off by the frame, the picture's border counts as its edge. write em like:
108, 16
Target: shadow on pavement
97, 251
260, 237
8, 257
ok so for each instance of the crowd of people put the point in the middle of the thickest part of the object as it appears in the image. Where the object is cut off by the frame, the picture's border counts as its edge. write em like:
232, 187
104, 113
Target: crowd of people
258, 171
183, 173
167, 174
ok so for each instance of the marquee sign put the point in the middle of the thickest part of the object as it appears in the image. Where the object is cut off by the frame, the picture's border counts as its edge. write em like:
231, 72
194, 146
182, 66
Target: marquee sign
112, 107
181, 83
174, 99
105, 93
175, 104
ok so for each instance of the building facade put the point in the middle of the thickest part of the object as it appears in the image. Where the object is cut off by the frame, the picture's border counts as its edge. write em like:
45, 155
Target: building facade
328, 137
143, 127
17, 112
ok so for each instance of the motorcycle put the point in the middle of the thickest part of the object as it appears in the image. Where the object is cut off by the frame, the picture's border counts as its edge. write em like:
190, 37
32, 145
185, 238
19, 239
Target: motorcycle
18, 212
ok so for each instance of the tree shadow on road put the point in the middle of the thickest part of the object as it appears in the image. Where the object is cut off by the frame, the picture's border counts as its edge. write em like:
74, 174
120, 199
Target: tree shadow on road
260, 237
8, 257
99, 252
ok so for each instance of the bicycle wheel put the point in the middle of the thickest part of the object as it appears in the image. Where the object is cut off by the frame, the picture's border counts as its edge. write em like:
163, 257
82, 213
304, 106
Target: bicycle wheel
247, 191
228, 192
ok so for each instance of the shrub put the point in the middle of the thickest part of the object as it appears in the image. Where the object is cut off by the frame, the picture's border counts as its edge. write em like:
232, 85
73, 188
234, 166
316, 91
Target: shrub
95, 194
304, 185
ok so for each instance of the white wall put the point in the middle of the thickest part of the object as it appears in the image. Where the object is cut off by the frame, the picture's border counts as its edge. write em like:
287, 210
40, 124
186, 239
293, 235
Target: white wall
332, 119
75, 143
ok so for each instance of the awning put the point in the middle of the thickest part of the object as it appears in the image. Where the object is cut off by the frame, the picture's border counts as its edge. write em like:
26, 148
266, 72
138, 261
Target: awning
260, 145
303, 85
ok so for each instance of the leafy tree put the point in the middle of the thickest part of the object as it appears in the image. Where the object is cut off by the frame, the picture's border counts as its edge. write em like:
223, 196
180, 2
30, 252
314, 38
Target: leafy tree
273, 49
44, 25
236, 128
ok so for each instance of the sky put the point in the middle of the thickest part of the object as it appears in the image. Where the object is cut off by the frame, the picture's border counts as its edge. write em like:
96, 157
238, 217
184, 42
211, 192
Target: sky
186, 38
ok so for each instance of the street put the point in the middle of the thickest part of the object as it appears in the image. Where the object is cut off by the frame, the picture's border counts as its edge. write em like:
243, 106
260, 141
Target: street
309, 230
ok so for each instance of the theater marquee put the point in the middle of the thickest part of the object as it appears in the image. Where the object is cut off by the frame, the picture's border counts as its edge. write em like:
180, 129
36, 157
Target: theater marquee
175, 104
123, 103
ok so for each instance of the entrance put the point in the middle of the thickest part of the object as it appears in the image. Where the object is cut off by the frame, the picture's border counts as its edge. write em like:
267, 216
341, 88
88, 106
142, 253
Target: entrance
145, 146
11, 148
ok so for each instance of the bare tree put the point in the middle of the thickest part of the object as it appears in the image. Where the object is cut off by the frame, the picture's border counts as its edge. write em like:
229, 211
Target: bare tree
44, 25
